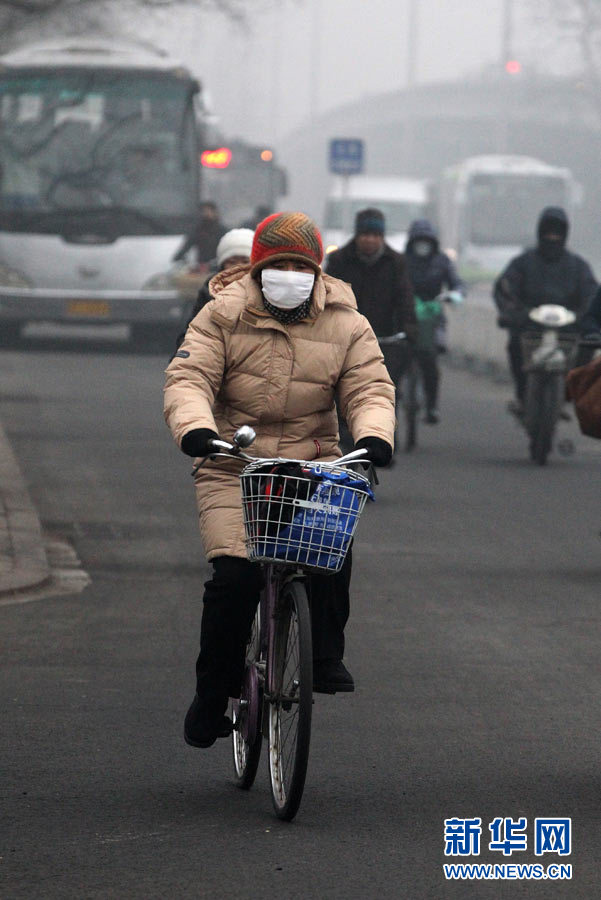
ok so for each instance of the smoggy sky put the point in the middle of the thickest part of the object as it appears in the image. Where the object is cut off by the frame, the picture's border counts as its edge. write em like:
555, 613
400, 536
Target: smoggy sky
304, 56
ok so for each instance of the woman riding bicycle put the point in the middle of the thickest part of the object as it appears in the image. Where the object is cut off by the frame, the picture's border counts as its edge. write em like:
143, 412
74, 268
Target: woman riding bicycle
430, 272
276, 347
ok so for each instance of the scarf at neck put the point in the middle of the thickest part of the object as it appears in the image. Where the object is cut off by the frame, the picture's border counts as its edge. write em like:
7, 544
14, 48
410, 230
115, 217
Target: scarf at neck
288, 316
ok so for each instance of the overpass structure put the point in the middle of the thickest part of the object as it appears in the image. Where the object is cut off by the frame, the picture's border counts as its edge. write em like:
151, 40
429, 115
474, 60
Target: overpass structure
420, 131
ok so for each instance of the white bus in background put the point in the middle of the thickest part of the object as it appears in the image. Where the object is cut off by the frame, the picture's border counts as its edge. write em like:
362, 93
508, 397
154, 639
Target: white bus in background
401, 200
99, 182
489, 207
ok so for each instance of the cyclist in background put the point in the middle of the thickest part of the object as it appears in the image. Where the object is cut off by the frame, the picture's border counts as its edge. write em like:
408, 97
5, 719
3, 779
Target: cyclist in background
205, 235
431, 272
547, 273
378, 276
273, 349
232, 250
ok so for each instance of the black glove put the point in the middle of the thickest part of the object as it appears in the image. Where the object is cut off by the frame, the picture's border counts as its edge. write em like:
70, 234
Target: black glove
516, 317
378, 451
196, 442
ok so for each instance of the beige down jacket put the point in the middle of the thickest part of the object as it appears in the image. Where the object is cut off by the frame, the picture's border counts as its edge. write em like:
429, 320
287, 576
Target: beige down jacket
240, 366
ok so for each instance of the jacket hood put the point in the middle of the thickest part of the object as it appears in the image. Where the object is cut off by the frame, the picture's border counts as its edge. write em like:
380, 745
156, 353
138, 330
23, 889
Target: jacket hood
236, 288
422, 230
556, 217
226, 276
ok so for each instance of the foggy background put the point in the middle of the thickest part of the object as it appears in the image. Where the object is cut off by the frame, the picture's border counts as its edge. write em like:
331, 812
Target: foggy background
295, 59
297, 73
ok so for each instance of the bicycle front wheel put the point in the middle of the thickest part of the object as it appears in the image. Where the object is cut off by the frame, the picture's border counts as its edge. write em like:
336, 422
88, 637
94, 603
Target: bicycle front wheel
290, 701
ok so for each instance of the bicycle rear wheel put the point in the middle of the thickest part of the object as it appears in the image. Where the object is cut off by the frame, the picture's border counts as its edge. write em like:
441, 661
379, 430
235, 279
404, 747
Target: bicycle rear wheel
290, 704
247, 714
411, 405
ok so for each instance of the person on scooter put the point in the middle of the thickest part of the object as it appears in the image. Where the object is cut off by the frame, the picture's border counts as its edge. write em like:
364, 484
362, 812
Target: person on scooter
591, 321
547, 273
431, 272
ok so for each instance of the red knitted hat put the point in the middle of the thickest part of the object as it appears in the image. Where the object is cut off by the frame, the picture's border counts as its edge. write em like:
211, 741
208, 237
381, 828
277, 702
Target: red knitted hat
286, 236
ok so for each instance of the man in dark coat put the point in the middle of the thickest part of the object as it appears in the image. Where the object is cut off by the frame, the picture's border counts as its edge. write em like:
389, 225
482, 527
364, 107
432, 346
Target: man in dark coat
378, 277
547, 273
205, 236
431, 273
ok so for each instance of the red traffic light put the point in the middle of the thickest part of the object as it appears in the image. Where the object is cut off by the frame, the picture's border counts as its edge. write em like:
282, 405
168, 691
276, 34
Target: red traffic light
513, 67
216, 159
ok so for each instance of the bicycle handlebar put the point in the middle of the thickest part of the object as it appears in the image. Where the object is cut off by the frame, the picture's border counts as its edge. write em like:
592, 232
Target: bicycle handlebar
397, 338
234, 451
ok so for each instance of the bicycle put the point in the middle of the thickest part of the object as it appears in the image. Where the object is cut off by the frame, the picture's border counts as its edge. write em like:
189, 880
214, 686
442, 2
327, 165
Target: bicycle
409, 390
299, 517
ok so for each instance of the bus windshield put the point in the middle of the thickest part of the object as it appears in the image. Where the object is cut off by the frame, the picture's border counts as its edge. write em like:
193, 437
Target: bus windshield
97, 149
340, 214
504, 209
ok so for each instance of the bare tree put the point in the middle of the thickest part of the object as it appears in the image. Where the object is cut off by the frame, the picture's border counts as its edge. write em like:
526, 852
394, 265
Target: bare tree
26, 18
578, 23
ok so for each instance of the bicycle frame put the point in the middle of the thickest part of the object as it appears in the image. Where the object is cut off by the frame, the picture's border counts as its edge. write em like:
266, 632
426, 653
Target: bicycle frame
275, 578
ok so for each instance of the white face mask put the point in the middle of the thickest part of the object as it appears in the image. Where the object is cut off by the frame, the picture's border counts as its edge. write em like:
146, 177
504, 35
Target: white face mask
286, 290
422, 248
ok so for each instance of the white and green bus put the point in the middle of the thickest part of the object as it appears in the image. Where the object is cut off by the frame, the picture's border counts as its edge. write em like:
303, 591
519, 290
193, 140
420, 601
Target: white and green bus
99, 182
489, 207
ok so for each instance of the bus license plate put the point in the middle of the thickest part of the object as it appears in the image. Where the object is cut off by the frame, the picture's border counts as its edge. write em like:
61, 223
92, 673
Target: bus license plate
91, 309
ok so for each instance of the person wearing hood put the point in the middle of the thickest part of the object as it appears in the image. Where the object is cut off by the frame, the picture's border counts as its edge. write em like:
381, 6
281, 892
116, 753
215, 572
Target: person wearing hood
275, 349
431, 273
547, 273
232, 250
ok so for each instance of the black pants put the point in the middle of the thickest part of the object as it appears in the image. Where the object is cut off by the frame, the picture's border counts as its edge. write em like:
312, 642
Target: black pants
230, 600
427, 358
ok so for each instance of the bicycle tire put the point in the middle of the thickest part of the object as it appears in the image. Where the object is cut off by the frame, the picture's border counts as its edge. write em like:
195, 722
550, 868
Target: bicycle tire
411, 405
290, 720
543, 432
247, 713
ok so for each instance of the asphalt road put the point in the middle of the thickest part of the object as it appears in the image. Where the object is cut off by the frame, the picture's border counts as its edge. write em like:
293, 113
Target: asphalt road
474, 641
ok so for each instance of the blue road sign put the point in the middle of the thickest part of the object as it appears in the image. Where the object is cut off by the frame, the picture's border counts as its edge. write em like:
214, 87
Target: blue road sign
346, 156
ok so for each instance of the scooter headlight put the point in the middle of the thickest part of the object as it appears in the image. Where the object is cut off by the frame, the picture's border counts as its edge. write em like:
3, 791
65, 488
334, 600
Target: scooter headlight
12, 278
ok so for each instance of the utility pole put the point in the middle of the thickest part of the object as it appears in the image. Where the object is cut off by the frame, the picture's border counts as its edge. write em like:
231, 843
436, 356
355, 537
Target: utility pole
412, 57
412, 39
315, 71
506, 55
507, 33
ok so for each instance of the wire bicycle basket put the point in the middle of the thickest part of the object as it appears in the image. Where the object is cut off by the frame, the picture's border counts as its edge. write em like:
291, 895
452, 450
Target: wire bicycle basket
533, 352
301, 513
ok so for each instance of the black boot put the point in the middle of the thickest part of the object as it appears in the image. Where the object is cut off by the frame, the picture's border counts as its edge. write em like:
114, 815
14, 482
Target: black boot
331, 676
202, 728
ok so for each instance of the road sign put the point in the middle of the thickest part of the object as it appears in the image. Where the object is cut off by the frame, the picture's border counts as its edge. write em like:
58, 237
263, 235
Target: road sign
346, 156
